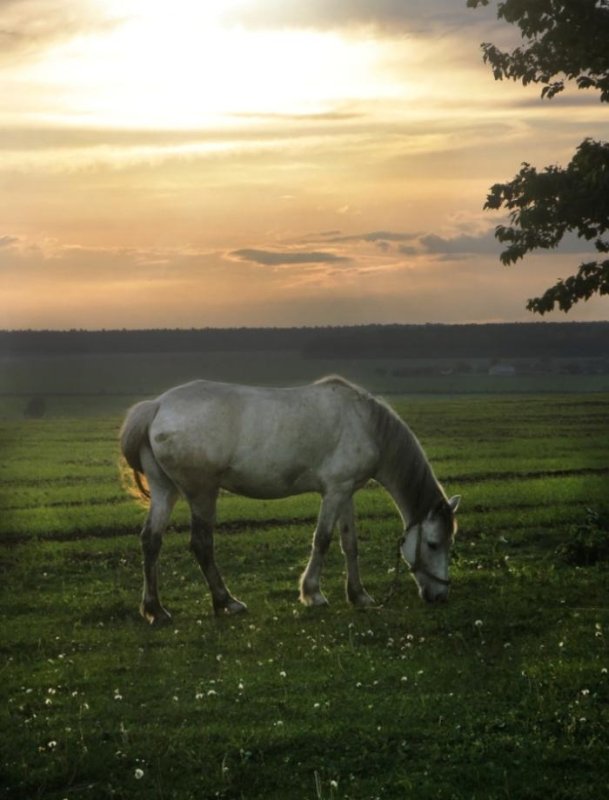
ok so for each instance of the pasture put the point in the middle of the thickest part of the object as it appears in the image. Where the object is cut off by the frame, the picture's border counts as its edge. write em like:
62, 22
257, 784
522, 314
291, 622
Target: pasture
501, 693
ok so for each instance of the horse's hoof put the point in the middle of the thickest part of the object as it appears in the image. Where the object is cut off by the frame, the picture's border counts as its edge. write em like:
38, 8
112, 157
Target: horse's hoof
156, 617
363, 600
316, 599
235, 607
232, 606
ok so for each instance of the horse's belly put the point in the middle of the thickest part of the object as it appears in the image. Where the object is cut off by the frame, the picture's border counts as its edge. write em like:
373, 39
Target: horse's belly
270, 484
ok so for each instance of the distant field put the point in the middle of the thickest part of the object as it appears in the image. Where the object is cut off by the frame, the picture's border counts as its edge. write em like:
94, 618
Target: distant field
104, 383
504, 692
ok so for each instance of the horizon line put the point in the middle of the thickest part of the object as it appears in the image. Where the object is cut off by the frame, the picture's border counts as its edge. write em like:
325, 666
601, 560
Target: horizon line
304, 327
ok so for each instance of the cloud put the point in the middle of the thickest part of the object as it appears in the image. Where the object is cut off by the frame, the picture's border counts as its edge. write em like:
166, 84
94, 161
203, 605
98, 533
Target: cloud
384, 241
8, 241
415, 243
485, 243
375, 236
463, 244
56, 147
248, 128
393, 17
29, 26
410, 243
273, 258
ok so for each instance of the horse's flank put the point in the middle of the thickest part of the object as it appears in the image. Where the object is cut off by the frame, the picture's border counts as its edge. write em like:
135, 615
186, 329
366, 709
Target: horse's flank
264, 442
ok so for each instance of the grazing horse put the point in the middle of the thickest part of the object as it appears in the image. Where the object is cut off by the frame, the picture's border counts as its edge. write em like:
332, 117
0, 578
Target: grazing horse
330, 437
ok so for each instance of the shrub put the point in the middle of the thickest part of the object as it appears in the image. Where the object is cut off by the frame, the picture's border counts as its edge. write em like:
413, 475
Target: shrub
35, 408
588, 542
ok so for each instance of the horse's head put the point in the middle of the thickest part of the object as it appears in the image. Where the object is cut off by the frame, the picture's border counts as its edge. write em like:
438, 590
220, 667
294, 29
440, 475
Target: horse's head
426, 549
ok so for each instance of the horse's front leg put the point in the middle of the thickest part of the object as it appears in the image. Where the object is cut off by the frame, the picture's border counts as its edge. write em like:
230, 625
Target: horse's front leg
310, 591
356, 593
202, 545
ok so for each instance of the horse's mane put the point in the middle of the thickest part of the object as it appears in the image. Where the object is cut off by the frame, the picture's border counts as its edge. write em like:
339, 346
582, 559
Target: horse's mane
404, 462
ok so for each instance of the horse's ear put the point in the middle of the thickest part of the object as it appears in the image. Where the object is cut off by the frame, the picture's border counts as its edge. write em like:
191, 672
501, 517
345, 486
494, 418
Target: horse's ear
454, 502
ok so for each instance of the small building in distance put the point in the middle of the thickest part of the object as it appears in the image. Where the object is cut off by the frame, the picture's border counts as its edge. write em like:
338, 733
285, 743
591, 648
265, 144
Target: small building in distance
504, 370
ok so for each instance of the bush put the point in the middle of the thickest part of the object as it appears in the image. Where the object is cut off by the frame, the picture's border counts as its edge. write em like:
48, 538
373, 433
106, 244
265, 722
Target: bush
588, 542
35, 408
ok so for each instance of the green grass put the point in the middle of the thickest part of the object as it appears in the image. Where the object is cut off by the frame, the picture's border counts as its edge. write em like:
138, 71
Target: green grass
502, 693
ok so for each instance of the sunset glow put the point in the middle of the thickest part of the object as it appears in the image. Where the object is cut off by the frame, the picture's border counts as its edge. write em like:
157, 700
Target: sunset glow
146, 74
256, 162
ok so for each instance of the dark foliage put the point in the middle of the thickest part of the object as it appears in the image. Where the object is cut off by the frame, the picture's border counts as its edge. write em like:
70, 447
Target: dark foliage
588, 542
544, 206
565, 40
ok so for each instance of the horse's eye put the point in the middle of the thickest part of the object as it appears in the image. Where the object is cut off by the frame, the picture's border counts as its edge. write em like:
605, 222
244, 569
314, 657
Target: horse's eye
432, 545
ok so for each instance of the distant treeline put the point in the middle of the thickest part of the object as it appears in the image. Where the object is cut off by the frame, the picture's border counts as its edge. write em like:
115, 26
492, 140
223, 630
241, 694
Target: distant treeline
515, 340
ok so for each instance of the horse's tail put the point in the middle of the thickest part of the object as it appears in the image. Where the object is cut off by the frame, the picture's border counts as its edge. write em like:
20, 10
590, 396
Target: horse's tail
133, 436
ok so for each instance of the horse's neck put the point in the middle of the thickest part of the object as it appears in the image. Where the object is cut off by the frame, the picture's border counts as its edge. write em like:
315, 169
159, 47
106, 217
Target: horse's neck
412, 505
407, 476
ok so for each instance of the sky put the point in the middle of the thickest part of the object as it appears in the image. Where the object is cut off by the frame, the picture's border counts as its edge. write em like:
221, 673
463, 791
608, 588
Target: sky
267, 163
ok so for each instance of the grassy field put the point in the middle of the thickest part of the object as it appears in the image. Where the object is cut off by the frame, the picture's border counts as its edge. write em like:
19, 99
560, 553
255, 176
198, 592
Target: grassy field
502, 693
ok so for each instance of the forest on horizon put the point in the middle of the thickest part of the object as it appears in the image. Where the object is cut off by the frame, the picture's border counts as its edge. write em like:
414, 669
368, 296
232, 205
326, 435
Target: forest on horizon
492, 340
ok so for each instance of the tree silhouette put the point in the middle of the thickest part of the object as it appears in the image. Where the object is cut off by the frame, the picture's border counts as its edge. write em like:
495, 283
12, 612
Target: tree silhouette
564, 40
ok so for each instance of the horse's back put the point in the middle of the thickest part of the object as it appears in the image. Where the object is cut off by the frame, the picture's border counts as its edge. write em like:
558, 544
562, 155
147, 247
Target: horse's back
247, 416
326, 401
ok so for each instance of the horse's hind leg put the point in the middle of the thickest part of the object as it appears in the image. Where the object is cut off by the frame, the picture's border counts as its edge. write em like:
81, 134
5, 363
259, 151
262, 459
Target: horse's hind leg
203, 518
356, 593
163, 495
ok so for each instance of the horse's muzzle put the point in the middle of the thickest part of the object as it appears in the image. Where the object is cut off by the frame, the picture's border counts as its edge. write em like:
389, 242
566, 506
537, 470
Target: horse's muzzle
434, 596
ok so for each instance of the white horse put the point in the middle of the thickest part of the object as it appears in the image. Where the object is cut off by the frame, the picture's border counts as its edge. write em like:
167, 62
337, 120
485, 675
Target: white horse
330, 437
